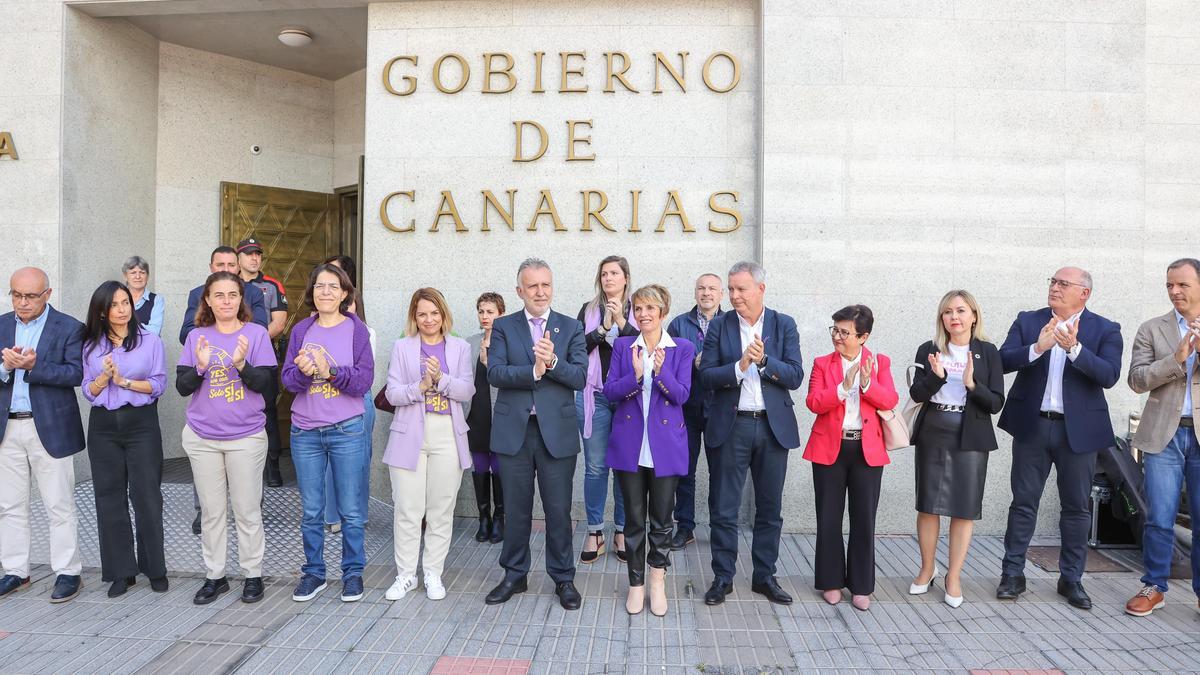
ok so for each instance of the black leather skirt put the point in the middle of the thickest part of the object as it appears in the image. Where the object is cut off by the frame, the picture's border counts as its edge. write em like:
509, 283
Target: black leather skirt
950, 480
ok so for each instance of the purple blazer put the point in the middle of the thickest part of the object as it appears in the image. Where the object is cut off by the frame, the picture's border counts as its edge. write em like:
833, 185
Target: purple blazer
668, 435
407, 432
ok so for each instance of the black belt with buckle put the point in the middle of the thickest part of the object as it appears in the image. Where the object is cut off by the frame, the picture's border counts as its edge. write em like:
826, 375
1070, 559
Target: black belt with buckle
946, 407
1187, 422
1051, 415
756, 414
23, 415
851, 434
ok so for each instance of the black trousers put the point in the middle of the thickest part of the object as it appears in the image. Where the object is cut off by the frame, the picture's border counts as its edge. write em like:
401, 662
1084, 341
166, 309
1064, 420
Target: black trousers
554, 477
125, 449
852, 566
750, 447
685, 492
271, 397
1031, 464
647, 496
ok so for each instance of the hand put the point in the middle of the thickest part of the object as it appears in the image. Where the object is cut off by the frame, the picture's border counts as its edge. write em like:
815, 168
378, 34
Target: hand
27, 359
969, 372
1067, 337
305, 363
483, 347
638, 363
1046, 339
115, 374
697, 362
660, 355
613, 314
543, 350
107, 365
426, 381
753, 354
935, 365
433, 368
320, 363
1187, 346
864, 373
239, 352
203, 353
11, 358
848, 380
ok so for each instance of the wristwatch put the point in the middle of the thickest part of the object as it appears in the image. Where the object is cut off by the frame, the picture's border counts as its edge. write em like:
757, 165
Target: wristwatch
127, 384
333, 371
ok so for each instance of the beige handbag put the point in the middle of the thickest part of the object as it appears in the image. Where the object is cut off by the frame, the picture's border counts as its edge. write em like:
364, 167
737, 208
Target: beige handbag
896, 425
911, 408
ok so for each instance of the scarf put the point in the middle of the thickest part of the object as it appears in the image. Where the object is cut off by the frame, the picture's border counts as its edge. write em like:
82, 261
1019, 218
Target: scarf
595, 371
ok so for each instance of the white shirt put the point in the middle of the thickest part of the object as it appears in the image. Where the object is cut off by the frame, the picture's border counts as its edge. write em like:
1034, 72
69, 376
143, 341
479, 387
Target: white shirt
644, 457
954, 391
751, 397
853, 419
1052, 399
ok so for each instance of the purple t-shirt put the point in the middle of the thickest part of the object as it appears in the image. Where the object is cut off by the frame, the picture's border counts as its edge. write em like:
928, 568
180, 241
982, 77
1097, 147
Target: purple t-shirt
224, 408
323, 404
435, 402
145, 362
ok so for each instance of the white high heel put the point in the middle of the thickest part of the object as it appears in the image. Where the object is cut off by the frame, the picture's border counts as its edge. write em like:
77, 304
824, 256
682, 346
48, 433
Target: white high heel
922, 589
953, 601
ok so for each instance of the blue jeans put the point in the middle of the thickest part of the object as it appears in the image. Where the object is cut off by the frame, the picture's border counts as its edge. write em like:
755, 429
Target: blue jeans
1166, 474
685, 490
340, 446
331, 512
595, 475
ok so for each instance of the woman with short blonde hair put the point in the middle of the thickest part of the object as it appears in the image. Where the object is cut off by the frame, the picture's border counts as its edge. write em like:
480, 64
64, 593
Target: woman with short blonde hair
434, 296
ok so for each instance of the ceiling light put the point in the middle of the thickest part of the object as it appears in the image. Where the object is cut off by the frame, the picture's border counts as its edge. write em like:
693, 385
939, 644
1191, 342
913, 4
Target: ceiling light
294, 37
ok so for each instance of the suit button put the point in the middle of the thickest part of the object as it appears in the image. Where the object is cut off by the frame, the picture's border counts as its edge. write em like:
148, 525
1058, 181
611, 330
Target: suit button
628, 417
664, 421
667, 402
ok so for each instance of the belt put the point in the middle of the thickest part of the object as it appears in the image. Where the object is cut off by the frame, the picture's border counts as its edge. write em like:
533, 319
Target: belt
851, 434
1187, 422
756, 414
23, 415
945, 407
1051, 415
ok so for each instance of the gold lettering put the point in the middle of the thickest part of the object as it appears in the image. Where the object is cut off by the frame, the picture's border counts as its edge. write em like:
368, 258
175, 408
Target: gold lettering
447, 208
589, 213
506, 71
636, 195
543, 143
383, 211
565, 59
572, 140
660, 62
726, 210
489, 198
537, 72
407, 79
437, 73
611, 74
733, 82
673, 200
546, 208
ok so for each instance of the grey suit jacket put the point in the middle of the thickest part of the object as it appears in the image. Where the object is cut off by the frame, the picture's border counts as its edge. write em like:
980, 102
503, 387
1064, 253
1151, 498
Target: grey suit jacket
1154, 369
475, 341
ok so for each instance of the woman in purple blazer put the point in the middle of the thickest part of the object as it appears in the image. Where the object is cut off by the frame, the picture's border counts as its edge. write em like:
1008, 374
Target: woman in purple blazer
648, 380
429, 378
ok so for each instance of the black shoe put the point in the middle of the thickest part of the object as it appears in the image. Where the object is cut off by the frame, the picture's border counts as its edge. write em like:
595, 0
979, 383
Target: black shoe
773, 591
682, 538
501, 594
66, 586
159, 585
211, 590
484, 532
12, 583
121, 585
568, 597
589, 557
274, 477
716, 593
252, 590
497, 525
196, 524
1010, 587
621, 553
1074, 593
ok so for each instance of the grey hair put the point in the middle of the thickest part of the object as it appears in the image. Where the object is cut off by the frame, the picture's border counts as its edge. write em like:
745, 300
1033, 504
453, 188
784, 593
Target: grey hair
752, 268
1085, 278
135, 261
531, 264
1195, 264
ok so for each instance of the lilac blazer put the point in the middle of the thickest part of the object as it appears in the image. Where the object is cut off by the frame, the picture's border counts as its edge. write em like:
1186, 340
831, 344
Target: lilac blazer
668, 435
407, 432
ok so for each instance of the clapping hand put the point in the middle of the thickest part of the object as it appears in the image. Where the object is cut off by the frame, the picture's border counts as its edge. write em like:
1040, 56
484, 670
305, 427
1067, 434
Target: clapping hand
543, 352
753, 354
969, 372
1067, 336
239, 352
935, 365
660, 355
203, 353
1187, 345
613, 314
848, 380
305, 363
12, 358
433, 368
1046, 338
320, 364
864, 374
638, 363
483, 346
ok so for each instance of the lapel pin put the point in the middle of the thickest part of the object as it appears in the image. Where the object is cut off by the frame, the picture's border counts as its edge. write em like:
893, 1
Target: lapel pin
556, 329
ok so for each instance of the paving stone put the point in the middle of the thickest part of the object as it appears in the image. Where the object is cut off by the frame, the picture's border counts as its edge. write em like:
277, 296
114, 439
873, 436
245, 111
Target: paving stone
184, 658
290, 660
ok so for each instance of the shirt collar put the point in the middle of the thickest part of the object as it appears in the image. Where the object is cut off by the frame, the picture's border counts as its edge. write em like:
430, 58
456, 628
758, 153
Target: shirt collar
1179, 319
39, 321
664, 341
529, 317
851, 362
746, 324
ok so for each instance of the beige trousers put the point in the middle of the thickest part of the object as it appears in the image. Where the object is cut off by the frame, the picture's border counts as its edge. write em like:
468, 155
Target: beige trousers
22, 454
430, 492
234, 469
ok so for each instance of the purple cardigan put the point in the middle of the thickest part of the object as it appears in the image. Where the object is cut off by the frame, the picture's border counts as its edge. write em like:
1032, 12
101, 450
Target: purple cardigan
668, 435
354, 379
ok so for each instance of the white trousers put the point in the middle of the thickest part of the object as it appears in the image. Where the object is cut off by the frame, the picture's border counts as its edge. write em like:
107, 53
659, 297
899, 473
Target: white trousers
428, 492
22, 453
230, 469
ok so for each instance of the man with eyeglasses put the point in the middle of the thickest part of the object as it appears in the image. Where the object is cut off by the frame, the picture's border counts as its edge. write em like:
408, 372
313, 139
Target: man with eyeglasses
41, 364
1065, 356
750, 364
250, 264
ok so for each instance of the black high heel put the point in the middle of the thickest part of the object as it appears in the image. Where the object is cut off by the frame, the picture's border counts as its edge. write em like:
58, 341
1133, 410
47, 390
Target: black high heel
589, 557
620, 552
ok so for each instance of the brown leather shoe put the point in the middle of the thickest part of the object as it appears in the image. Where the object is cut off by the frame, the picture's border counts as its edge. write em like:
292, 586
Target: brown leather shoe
1146, 601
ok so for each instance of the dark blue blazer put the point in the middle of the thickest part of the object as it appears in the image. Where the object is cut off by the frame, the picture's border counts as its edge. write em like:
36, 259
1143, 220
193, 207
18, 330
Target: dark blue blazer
510, 370
1098, 367
687, 326
52, 382
254, 299
782, 374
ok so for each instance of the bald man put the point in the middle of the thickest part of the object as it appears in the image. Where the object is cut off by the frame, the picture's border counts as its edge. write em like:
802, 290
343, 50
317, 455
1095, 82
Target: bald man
41, 364
1065, 357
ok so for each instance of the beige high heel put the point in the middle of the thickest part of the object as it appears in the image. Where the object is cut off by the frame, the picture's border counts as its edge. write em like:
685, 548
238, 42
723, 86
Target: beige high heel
658, 591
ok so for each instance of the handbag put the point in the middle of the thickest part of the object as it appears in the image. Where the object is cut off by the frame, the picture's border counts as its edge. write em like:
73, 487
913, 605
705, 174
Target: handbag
381, 402
896, 425
912, 408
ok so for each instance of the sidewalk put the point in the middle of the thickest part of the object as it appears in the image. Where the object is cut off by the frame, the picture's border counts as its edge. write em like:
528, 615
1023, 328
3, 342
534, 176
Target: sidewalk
147, 632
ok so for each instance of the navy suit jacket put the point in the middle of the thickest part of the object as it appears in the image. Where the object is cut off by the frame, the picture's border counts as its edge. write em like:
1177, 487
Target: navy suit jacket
1098, 367
783, 373
510, 370
52, 382
254, 299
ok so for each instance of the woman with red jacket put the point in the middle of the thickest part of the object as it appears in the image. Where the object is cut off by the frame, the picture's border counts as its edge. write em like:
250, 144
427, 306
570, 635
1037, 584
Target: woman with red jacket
845, 390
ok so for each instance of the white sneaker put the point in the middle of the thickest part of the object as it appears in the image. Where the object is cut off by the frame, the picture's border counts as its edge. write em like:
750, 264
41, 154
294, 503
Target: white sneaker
401, 587
434, 590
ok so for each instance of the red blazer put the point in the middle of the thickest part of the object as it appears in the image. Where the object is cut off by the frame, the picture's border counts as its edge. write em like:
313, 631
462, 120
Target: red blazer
826, 439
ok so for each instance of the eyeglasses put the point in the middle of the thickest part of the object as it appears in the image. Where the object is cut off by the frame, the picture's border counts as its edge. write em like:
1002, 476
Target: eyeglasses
1063, 284
27, 297
841, 334
330, 286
